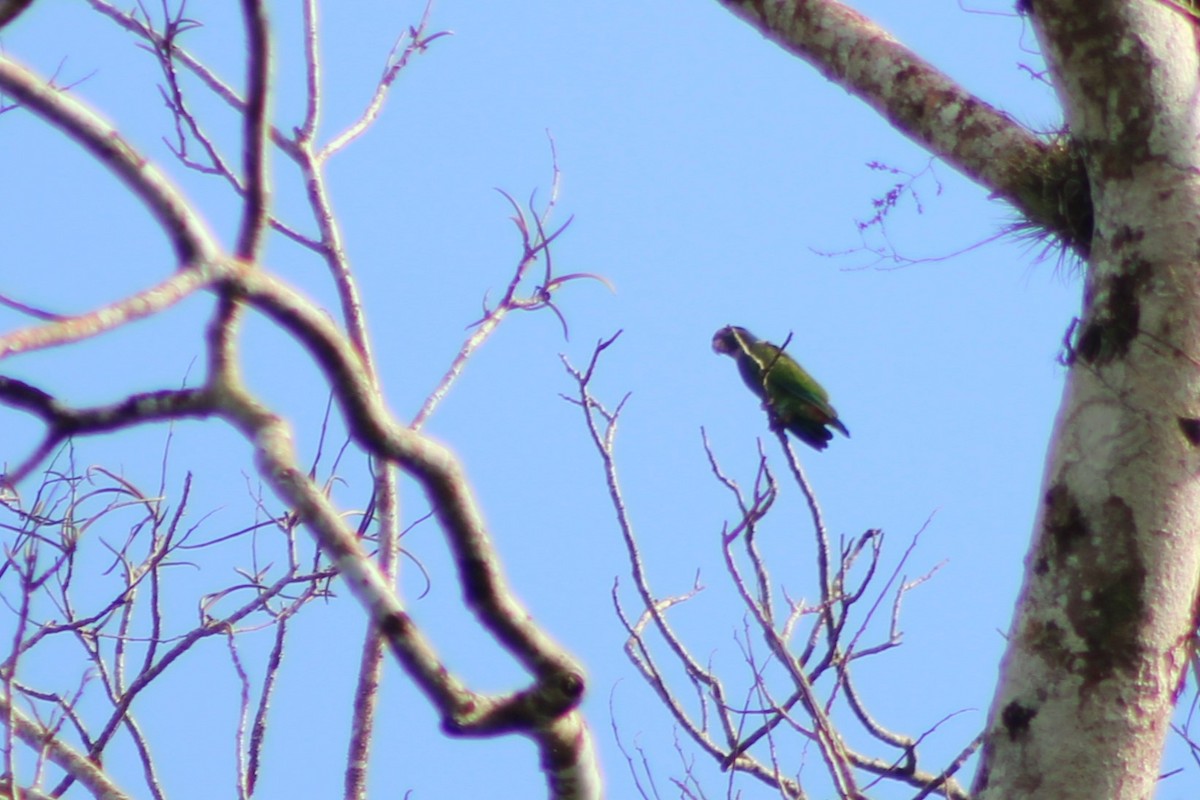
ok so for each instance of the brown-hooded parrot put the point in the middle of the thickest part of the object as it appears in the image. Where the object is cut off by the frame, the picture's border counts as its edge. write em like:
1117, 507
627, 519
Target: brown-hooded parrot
793, 398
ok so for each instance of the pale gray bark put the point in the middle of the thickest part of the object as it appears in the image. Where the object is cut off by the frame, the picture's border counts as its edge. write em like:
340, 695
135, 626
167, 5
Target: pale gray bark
1104, 622
1102, 625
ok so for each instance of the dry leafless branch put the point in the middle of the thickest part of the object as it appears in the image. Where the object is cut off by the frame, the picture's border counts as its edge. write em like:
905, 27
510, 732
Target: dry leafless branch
240, 284
815, 671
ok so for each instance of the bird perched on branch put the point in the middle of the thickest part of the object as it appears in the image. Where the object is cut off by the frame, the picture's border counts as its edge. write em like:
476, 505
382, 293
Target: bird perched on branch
793, 398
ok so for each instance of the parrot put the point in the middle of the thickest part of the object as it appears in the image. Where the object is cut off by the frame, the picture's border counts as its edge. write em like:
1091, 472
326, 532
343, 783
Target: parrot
793, 398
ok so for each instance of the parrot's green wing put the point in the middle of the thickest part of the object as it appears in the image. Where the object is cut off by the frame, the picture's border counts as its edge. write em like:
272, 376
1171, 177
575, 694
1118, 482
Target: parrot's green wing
790, 388
793, 398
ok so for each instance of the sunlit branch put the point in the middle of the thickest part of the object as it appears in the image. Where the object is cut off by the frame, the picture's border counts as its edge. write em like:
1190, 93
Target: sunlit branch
923, 103
603, 433
191, 238
829, 592
432, 464
412, 42
846, 575
546, 709
67, 329
312, 72
747, 527
535, 243
74, 763
638, 650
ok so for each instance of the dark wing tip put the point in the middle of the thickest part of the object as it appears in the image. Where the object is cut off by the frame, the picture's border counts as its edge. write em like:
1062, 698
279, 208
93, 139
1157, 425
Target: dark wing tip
816, 436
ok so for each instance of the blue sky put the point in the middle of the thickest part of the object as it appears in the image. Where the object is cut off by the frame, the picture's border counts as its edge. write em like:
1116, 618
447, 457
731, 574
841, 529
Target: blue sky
710, 176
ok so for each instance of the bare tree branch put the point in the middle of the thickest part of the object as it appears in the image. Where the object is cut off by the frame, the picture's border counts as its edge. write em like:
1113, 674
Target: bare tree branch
255, 130
10, 9
76, 764
1044, 180
831, 647
191, 238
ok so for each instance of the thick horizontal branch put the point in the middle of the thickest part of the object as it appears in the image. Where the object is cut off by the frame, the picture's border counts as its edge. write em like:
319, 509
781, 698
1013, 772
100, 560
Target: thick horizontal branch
62, 421
147, 407
1043, 179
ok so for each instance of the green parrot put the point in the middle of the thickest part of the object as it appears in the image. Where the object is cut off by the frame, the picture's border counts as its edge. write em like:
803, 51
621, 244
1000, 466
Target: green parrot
792, 397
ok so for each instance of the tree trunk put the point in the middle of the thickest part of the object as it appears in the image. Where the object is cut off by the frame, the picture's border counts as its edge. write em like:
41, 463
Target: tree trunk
1104, 619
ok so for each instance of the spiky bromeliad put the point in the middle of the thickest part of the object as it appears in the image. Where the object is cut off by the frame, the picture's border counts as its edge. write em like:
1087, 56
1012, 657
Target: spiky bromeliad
793, 398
